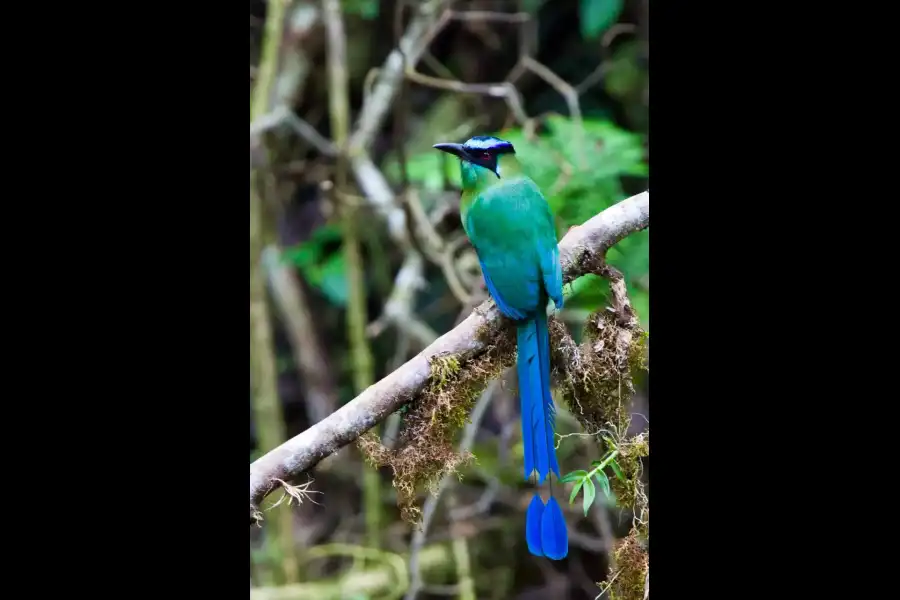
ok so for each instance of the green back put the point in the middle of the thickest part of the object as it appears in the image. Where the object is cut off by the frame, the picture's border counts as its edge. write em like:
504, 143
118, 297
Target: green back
510, 225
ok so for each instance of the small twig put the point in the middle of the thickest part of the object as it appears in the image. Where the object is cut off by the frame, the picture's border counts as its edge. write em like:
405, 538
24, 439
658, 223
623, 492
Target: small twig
586, 541
398, 310
284, 115
481, 506
436, 65
615, 31
566, 91
304, 17
381, 197
426, 23
608, 584
503, 89
401, 108
489, 15
595, 76
422, 228
297, 493
451, 275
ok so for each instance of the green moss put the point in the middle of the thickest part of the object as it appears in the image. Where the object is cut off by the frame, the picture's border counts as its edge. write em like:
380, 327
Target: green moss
632, 562
443, 368
631, 491
425, 450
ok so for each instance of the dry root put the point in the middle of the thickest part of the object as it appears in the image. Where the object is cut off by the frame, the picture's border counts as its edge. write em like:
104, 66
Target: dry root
596, 379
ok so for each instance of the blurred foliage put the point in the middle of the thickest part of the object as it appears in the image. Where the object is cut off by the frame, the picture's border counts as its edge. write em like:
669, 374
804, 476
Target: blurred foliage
597, 16
367, 9
324, 271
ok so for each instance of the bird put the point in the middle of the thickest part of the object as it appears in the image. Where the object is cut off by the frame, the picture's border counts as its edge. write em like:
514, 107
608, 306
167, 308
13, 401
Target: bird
509, 224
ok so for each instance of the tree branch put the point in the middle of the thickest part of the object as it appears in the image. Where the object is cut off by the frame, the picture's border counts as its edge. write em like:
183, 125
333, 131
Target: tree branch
582, 251
428, 19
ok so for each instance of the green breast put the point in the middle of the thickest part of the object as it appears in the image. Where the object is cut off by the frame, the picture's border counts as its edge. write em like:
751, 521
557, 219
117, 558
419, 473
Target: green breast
508, 216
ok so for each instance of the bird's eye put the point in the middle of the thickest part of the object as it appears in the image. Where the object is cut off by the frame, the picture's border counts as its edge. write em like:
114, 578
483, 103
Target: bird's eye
486, 155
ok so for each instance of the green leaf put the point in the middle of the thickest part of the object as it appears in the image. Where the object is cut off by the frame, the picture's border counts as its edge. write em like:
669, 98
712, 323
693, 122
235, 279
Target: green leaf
597, 16
603, 482
617, 470
573, 476
589, 493
309, 252
575, 490
333, 279
589, 292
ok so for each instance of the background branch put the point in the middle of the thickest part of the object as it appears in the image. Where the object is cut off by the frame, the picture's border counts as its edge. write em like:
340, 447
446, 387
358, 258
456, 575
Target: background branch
363, 369
268, 417
290, 300
582, 251
422, 28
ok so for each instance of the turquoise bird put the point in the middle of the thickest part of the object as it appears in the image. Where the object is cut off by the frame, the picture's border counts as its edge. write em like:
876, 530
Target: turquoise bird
511, 228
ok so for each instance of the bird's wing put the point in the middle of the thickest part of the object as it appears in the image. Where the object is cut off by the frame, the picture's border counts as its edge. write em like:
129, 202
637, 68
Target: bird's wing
501, 224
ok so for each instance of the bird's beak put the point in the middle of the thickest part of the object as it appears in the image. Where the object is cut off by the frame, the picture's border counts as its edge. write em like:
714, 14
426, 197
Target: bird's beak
455, 149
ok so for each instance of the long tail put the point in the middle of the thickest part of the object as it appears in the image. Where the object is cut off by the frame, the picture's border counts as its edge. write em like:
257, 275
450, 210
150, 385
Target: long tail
545, 529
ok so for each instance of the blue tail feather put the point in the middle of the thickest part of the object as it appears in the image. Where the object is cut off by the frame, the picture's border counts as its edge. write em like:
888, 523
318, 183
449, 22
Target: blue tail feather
543, 343
545, 526
534, 525
554, 536
531, 400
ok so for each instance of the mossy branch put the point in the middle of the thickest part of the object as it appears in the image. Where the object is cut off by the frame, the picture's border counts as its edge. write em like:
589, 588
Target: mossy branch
582, 251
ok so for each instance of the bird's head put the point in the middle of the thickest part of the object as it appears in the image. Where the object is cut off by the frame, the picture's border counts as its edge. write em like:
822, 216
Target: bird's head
481, 152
